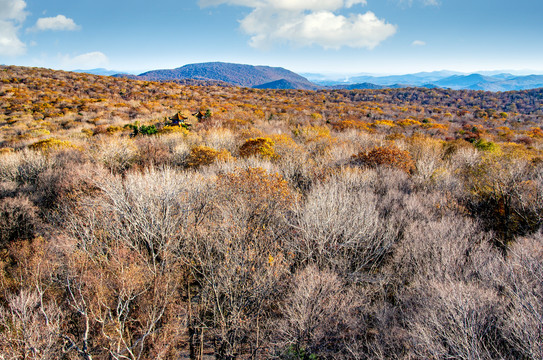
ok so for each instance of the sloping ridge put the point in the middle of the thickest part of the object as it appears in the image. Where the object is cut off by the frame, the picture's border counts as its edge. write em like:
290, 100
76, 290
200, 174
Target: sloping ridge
362, 86
236, 74
284, 84
457, 82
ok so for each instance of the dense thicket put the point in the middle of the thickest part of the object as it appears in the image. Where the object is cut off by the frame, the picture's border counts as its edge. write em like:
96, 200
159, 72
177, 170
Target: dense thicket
379, 224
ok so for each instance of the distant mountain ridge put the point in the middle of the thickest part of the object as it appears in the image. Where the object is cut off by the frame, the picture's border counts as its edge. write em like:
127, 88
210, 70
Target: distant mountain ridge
498, 82
279, 85
458, 82
266, 77
235, 74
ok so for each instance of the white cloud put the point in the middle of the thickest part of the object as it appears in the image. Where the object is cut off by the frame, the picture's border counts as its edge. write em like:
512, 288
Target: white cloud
351, 3
10, 45
424, 2
12, 14
12, 10
86, 61
311, 5
418, 43
310, 22
57, 23
334, 31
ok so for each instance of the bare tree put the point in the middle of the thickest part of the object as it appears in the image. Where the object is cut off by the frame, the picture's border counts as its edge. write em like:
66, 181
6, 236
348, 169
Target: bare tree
124, 274
315, 315
456, 320
30, 326
238, 261
339, 226
523, 282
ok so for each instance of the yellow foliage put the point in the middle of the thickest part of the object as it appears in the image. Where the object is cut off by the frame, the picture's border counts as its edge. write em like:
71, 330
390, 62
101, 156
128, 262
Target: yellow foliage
504, 131
519, 151
407, 122
316, 116
260, 114
420, 145
39, 132
434, 126
113, 129
250, 133
87, 132
204, 155
261, 146
283, 140
173, 130
384, 123
51, 144
313, 133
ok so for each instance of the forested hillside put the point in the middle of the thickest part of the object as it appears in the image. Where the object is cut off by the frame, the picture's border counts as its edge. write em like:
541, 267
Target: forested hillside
288, 224
234, 74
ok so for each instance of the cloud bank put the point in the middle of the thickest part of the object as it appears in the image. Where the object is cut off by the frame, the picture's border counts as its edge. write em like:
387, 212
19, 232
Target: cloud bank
57, 23
86, 61
310, 22
12, 14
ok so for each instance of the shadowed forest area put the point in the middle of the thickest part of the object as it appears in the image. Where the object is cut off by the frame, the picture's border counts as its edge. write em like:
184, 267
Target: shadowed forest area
271, 224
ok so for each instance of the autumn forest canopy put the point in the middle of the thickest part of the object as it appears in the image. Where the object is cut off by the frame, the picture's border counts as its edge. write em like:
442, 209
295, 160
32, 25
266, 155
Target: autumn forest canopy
257, 224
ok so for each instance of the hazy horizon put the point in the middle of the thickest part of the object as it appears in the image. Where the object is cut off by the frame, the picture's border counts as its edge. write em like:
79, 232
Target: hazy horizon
337, 74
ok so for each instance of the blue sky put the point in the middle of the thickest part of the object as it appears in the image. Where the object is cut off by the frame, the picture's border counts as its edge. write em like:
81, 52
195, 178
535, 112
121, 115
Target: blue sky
327, 36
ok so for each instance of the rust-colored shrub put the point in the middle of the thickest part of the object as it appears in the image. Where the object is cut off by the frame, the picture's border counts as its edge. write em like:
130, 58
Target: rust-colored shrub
100, 129
395, 136
18, 219
257, 186
536, 133
250, 133
385, 156
152, 152
261, 146
64, 184
351, 124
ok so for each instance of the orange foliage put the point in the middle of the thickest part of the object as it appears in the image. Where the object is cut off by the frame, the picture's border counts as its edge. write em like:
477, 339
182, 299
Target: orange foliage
385, 156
